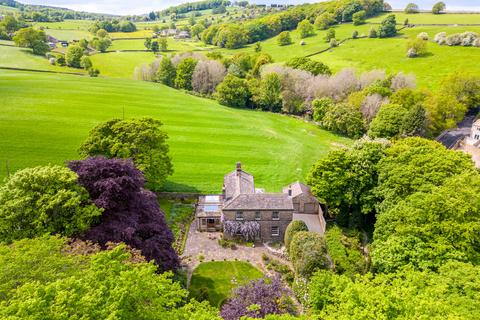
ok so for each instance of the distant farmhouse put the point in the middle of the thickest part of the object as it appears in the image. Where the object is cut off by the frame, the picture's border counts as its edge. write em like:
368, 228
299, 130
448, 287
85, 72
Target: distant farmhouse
240, 202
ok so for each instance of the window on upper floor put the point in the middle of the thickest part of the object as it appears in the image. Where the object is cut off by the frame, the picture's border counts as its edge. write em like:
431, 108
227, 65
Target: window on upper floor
258, 216
275, 231
239, 215
275, 215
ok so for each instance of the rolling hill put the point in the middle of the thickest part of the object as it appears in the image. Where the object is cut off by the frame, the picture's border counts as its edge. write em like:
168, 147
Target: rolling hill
45, 117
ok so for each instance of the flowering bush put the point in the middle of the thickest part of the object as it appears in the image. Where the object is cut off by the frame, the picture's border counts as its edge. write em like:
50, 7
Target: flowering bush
248, 229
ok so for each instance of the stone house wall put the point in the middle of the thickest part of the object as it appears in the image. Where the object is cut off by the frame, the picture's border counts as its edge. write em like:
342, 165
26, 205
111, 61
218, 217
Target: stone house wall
305, 203
266, 222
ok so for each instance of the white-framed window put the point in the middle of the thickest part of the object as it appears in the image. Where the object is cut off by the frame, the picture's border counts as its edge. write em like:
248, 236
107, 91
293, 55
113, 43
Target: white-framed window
275, 215
258, 215
204, 222
239, 215
275, 231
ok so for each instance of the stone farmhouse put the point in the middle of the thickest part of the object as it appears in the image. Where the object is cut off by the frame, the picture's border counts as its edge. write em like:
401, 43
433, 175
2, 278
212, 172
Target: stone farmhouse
240, 202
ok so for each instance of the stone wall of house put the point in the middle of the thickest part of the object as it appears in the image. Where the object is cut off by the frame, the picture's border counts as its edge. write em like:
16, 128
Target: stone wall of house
266, 222
306, 203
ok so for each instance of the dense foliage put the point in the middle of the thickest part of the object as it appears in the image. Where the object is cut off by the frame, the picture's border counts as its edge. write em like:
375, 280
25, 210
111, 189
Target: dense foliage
32, 38
41, 200
345, 253
257, 299
138, 139
308, 252
54, 284
292, 228
131, 214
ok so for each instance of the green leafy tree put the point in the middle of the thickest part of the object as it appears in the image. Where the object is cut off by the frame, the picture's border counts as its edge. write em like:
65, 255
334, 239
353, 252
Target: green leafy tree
307, 64
86, 62
416, 47
330, 35
346, 179
325, 20
344, 119
345, 252
292, 228
449, 293
308, 252
411, 8
464, 86
109, 285
305, 29
183, 78
41, 200
155, 47
257, 47
416, 165
284, 38
102, 33
197, 30
359, 17
233, 92
388, 121
163, 44
148, 43
166, 72
415, 122
267, 96
138, 139
34, 39
444, 112
438, 7
73, 56
429, 228
320, 107
388, 27
101, 44
373, 33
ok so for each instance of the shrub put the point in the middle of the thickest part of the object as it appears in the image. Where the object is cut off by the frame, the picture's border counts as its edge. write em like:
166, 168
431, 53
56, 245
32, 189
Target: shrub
333, 43
305, 29
284, 38
292, 228
330, 35
416, 47
440, 38
233, 92
388, 28
166, 72
325, 20
355, 34
308, 252
93, 72
307, 64
320, 108
73, 56
207, 75
86, 63
373, 33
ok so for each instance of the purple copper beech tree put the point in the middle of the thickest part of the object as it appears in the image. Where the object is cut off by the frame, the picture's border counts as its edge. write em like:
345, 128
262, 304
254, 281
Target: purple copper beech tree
257, 299
131, 214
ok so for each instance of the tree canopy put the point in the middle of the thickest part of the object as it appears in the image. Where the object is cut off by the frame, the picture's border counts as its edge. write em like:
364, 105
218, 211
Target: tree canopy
40, 200
141, 140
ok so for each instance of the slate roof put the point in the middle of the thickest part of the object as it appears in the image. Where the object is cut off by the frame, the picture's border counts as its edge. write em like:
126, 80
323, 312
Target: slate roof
260, 201
238, 182
297, 188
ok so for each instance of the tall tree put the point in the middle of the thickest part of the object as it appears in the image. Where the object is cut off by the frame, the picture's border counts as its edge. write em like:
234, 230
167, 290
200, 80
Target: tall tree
41, 200
131, 214
142, 140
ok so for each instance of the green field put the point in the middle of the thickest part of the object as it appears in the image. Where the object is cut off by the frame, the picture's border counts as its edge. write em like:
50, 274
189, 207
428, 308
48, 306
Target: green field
120, 64
217, 277
429, 18
390, 54
45, 117
15, 57
173, 45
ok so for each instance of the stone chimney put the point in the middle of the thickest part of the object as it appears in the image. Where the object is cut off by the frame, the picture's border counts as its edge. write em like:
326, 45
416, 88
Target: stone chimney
290, 191
239, 166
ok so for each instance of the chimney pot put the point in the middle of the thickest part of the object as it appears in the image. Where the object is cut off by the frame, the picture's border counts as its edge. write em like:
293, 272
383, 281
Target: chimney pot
239, 166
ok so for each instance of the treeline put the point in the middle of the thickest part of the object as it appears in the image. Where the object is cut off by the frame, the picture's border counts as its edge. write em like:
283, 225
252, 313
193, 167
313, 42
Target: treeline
114, 25
232, 35
194, 6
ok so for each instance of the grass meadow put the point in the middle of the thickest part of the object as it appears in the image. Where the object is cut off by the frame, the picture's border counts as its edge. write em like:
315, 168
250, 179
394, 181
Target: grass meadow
429, 18
45, 117
217, 278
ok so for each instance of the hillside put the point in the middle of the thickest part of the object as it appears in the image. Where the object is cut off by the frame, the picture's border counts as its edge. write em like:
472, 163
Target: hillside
48, 116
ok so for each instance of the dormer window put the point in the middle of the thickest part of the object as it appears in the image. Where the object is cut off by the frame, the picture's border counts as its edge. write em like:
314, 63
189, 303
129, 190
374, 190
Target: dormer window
239, 215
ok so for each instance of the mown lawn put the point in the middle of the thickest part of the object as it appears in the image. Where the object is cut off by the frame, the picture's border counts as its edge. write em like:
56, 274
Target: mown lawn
219, 278
45, 117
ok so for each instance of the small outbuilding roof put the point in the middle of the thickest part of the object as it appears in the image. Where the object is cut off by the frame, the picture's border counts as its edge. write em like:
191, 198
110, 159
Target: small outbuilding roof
297, 188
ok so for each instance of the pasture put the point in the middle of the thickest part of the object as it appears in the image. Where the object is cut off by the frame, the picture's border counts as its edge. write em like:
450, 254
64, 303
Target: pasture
120, 64
429, 18
217, 279
45, 117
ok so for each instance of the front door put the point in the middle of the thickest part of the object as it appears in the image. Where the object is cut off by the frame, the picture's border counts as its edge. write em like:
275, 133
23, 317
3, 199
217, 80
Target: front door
210, 223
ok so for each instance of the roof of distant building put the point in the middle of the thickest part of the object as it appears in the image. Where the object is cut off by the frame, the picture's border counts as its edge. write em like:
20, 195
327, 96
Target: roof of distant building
260, 201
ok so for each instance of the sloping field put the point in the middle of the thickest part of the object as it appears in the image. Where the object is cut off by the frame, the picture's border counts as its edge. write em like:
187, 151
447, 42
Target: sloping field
45, 117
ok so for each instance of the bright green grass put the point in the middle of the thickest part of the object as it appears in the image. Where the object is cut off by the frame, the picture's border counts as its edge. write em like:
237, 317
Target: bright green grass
312, 45
428, 18
45, 117
390, 54
120, 64
5, 9
217, 277
173, 45
15, 57
66, 25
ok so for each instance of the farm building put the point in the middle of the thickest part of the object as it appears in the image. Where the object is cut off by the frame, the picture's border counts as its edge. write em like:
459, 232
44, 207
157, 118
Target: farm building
240, 203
